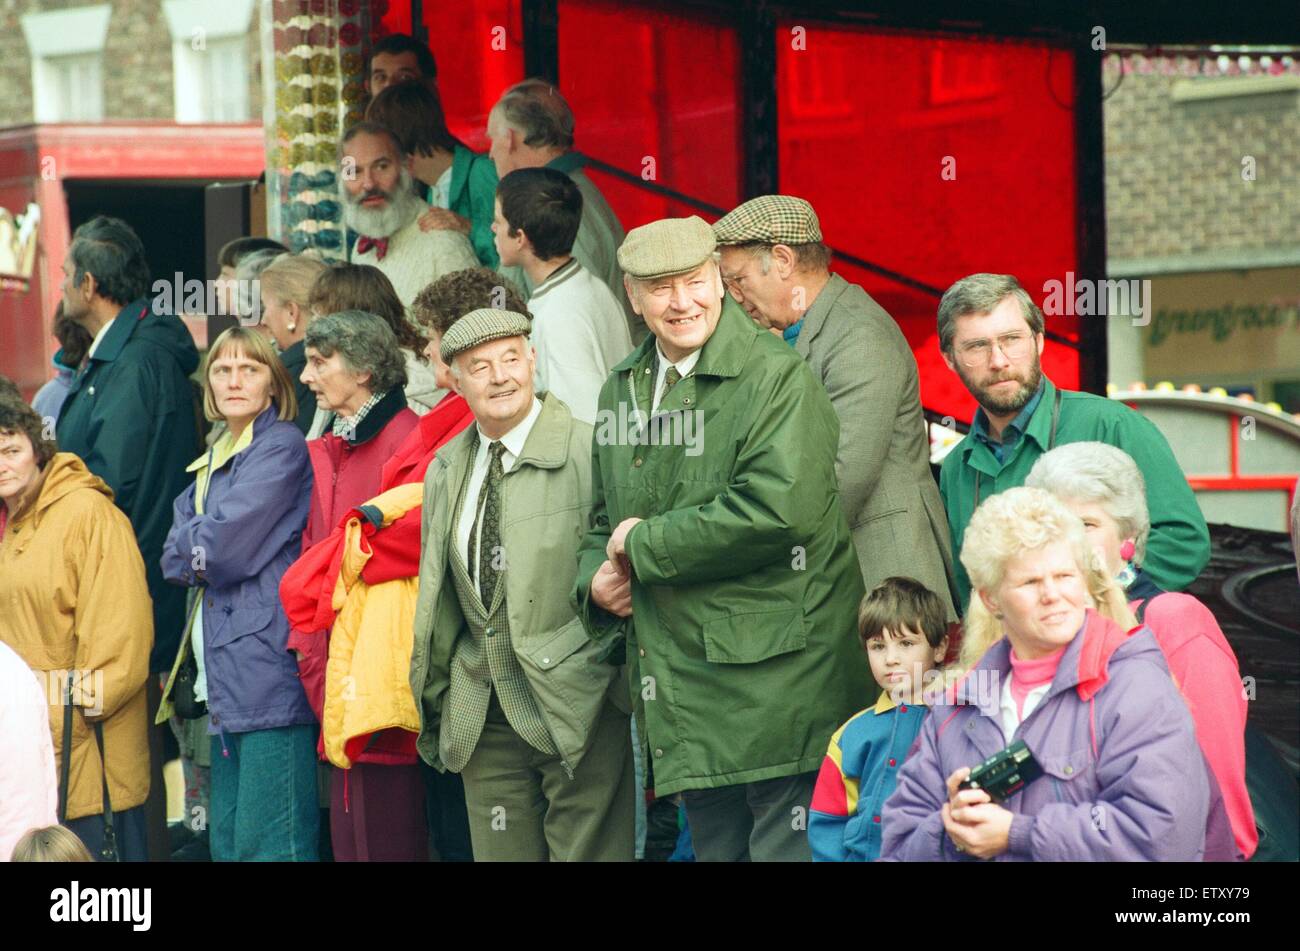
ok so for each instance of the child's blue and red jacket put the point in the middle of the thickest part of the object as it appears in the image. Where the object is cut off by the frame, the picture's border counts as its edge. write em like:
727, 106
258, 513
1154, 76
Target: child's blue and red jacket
857, 776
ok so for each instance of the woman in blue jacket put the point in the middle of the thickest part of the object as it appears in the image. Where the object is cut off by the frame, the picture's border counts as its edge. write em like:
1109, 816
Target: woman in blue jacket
236, 530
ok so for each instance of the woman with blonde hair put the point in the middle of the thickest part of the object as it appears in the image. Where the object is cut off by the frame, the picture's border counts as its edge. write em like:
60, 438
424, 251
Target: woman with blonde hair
1122, 777
1104, 487
235, 532
982, 628
286, 285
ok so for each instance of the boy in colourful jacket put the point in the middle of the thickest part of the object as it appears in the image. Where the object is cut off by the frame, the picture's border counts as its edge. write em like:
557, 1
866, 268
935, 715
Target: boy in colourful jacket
902, 628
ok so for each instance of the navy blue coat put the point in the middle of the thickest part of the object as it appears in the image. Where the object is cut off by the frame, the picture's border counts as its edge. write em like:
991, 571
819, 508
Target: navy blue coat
132, 418
250, 532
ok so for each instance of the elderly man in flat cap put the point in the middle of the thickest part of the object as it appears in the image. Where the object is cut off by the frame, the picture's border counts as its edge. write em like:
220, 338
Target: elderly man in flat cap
718, 549
777, 268
513, 695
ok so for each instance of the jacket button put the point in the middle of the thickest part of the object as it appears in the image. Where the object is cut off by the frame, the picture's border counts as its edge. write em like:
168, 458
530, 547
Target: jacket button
546, 660
637, 462
659, 752
903, 708
211, 603
893, 762
686, 401
641, 651
1068, 770
490, 633
875, 818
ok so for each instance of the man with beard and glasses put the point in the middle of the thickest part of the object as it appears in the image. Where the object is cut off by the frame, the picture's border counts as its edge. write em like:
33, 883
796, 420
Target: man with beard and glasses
991, 336
380, 205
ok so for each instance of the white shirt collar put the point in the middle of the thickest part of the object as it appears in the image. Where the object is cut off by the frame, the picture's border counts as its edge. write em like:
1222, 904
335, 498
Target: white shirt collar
441, 190
515, 439
684, 366
99, 337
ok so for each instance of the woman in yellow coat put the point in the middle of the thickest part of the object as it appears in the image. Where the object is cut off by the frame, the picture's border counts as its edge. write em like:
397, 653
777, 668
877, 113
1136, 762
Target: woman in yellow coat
73, 600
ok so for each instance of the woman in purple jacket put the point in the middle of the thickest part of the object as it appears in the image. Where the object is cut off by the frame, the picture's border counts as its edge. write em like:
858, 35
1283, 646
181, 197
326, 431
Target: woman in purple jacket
236, 530
1123, 777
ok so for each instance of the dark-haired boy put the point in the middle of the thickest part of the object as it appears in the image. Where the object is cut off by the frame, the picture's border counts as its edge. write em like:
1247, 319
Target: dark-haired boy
579, 329
903, 628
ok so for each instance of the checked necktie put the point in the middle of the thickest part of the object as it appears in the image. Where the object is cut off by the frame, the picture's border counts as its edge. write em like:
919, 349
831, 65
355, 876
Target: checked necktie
488, 508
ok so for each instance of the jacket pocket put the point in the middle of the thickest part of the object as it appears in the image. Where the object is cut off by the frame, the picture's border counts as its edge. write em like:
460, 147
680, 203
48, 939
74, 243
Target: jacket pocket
750, 638
570, 685
1072, 775
559, 646
239, 623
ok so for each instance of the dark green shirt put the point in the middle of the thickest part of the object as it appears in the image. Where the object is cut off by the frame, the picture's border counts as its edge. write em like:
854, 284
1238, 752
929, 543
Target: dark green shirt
1179, 543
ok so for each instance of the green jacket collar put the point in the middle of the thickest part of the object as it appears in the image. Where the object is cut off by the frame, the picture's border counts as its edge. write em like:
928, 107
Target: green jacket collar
568, 163
547, 446
724, 353
461, 159
1039, 428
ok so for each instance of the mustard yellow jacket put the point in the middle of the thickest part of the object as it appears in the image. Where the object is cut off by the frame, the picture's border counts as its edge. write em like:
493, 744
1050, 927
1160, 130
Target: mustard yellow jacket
73, 598
367, 677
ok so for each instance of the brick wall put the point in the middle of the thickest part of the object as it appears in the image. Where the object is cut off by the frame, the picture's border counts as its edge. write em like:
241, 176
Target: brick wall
137, 67
138, 62
1174, 171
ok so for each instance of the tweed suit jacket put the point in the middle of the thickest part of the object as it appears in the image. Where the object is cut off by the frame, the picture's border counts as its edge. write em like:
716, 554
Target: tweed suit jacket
883, 463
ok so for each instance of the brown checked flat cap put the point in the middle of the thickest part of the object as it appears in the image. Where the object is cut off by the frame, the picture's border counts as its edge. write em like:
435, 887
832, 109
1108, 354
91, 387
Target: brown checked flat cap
480, 326
667, 246
770, 219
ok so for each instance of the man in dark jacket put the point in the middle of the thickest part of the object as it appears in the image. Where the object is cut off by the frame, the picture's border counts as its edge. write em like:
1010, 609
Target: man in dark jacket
131, 413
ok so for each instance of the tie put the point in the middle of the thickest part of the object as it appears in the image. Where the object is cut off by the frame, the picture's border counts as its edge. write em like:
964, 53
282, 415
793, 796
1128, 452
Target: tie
488, 507
670, 380
380, 245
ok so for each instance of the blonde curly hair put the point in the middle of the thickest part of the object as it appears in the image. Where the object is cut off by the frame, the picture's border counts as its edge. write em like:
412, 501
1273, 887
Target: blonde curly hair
1009, 524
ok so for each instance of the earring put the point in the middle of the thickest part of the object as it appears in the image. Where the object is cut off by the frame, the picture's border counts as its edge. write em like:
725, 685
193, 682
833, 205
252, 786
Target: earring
998, 615
292, 326
1127, 550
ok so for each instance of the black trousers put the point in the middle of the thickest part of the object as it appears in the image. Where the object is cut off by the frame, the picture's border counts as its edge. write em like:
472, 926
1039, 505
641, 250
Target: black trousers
444, 800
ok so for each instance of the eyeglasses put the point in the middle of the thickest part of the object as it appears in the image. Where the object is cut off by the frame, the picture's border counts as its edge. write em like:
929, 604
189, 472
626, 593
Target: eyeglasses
978, 353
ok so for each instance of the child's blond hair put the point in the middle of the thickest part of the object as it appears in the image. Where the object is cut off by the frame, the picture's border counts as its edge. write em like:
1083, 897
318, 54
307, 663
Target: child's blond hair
50, 844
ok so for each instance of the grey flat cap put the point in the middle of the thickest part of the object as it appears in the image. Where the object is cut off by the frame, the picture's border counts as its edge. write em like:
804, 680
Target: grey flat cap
667, 246
770, 219
480, 326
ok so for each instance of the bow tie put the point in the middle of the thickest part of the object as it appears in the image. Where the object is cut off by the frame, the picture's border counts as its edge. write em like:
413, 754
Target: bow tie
380, 245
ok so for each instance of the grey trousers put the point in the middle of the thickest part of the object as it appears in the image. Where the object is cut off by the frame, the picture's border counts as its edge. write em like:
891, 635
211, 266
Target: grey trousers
765, 821
523, 807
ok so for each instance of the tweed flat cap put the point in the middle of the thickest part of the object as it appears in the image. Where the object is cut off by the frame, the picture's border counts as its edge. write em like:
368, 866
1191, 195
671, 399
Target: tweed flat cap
771, 219
667, 246
480, 326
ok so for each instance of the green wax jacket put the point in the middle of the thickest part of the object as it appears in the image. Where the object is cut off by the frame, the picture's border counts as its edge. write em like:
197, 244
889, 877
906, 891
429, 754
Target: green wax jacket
742, 649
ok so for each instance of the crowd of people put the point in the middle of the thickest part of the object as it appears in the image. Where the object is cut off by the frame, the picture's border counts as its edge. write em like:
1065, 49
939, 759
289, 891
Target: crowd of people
479, 539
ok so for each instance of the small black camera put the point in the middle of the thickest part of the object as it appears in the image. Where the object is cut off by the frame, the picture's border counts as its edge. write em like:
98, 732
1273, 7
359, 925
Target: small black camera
1004, 773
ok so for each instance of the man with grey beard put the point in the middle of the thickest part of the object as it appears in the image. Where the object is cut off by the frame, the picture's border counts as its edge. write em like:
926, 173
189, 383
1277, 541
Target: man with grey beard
380, 205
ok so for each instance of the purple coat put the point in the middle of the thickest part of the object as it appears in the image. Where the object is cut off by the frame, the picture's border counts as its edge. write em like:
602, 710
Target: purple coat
1123, 777
249, 534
